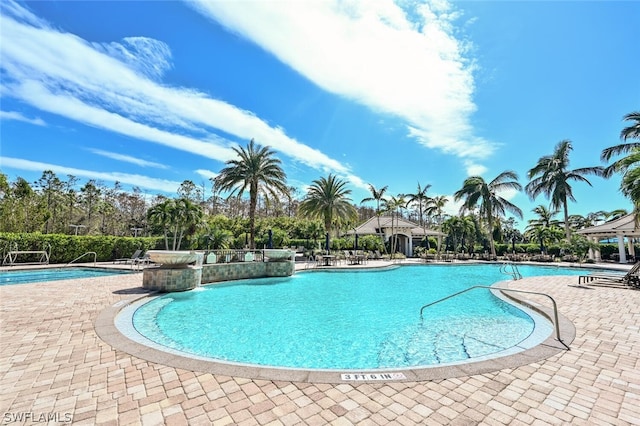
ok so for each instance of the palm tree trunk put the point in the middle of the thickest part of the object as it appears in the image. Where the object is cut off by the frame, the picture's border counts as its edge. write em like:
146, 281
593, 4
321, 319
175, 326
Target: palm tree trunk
253, 201
567, 230
166, 239
384, 246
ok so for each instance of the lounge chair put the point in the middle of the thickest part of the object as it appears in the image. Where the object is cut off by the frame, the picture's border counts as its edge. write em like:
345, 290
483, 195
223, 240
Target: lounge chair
133, 258
631, 278
142, 260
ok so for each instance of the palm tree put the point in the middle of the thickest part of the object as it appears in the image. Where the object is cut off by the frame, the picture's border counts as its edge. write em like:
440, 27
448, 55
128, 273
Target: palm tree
435, 208
544, 227
377, 195
630, 132
175, 217
615, 214
550, 176
188, 217
328, 199
630, 185
459, 228
160, 215
256, 170
421, 198
476, 192
394, 204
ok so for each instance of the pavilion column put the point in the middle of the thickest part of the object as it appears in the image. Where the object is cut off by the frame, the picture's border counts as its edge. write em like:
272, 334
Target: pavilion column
594, 254
591, 252
631, 248
621, 251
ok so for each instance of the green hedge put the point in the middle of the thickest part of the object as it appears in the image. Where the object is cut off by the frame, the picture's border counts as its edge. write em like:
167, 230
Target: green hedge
65, 248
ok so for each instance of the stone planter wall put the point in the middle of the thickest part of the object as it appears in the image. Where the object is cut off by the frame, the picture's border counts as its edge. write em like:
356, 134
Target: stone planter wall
181, 279
172, 279
243, 270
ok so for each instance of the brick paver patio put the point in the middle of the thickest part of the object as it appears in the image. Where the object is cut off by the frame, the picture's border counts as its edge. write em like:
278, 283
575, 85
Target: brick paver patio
54, 367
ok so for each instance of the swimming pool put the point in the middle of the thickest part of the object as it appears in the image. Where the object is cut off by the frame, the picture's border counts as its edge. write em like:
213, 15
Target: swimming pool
27, 276
346, 320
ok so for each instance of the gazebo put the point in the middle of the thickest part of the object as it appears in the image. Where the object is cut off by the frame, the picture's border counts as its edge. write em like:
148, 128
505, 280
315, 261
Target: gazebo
620, 228
409, 233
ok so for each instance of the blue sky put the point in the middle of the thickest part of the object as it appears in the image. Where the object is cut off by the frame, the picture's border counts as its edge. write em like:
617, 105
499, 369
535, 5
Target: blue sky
154, 93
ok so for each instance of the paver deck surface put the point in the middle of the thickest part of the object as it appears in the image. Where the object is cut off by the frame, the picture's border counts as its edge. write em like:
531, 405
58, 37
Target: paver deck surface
54, 367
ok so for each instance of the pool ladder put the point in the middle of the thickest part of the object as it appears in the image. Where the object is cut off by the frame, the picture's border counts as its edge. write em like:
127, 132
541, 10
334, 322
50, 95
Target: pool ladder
81, 256
511, 269
556, 323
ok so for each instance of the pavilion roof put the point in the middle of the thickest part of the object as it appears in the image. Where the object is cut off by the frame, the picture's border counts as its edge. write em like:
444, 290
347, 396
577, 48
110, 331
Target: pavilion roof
625, 226
369, 227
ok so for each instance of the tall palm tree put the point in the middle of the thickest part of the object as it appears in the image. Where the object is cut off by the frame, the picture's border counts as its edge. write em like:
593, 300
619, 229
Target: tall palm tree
477, 192
377, 195
394, 204
551, 177
256, 170
422, 200
435, 208
328, 199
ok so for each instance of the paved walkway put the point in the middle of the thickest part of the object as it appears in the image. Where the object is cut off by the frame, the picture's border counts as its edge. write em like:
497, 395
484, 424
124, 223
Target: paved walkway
54, 366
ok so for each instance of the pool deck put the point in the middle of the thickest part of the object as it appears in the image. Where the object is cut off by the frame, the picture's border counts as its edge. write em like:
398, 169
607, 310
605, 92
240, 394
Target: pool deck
54, 365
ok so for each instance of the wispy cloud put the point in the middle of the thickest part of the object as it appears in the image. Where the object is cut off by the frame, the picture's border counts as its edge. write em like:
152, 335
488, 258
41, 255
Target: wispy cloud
206, 174
113, 87
13, 115
399, 58
128, 159
163, 185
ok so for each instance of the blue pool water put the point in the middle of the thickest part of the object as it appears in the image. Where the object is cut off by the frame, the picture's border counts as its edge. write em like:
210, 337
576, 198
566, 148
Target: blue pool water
365, 319
53, 274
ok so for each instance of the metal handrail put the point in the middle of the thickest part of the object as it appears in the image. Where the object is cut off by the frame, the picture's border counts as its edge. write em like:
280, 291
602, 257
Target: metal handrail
515, 272
556, 323
80, 257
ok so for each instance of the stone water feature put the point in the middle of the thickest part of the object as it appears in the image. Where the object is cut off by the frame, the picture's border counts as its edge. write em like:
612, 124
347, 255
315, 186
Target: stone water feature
184, 270
177, 271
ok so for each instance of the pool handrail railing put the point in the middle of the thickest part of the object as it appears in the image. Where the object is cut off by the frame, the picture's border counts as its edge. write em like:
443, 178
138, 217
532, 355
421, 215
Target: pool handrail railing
515, 272
81, 256
556, 323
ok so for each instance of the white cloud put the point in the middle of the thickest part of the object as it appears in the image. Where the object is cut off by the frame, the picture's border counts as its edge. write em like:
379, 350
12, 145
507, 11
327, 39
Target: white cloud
128, 159
63, 74
145, 55
207, 174
398, 59
474, 169
163, 185
13, 115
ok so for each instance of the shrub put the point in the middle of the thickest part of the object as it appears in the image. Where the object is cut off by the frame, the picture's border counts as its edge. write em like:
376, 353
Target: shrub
65, 248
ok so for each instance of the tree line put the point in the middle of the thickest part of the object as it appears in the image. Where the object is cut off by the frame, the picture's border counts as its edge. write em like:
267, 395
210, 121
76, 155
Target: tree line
252, 188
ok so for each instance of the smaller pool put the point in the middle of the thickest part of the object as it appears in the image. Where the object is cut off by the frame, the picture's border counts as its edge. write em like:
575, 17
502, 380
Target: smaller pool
54, 274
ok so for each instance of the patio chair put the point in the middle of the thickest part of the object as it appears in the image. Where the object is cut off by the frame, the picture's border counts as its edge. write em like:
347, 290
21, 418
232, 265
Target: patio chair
631, 278
133, 258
